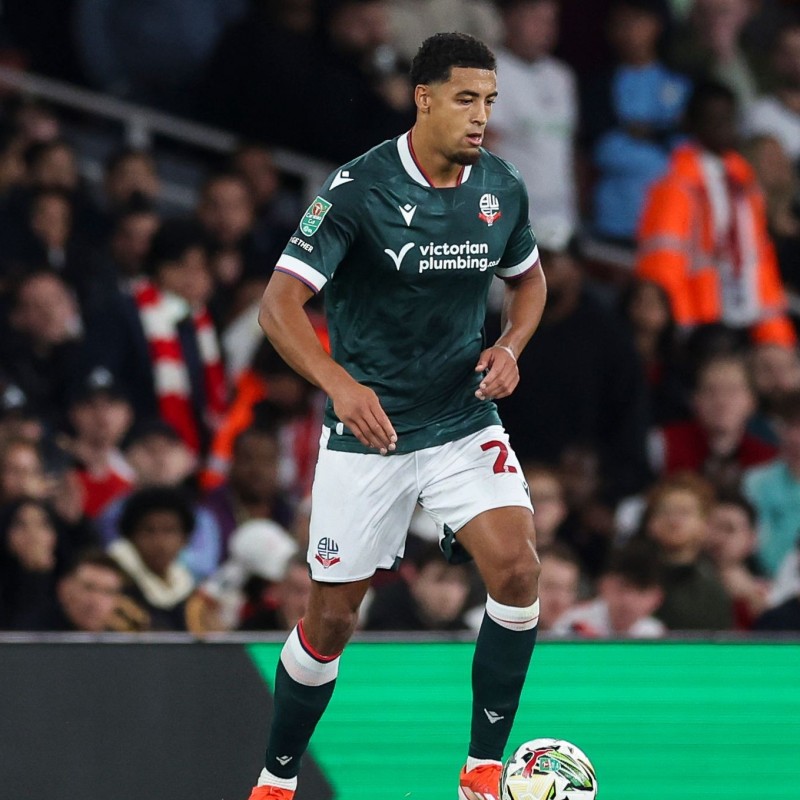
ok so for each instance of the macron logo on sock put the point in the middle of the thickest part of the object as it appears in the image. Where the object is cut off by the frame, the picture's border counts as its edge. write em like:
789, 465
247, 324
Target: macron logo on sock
492, 716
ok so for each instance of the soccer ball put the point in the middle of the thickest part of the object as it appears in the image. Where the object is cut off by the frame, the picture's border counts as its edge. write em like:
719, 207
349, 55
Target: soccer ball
548, 769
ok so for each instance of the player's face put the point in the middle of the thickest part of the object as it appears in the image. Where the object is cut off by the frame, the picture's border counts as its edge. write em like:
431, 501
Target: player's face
459, 110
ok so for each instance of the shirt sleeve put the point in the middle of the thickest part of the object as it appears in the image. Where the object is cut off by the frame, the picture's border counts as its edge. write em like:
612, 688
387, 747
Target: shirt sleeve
521, 252
325, 233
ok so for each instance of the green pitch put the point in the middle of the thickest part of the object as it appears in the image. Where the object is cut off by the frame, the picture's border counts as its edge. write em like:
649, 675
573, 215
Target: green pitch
658, 720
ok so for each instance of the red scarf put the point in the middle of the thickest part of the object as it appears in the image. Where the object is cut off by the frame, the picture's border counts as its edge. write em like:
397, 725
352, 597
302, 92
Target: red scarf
170, 374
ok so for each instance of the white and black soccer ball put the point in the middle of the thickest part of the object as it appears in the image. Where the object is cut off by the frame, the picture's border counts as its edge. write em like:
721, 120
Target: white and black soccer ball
548, 769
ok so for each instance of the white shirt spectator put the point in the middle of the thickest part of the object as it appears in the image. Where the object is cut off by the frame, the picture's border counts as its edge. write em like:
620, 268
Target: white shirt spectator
533, 126
769, 116
591, 620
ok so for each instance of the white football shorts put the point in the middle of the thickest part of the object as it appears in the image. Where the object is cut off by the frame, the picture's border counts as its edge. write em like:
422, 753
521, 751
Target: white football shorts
361, 503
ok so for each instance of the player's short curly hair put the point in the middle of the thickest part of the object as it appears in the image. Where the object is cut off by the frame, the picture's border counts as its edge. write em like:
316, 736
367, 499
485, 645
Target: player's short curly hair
439, 53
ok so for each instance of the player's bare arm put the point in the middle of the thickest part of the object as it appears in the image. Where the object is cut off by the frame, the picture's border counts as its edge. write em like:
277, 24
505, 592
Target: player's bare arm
285, 322
522, 310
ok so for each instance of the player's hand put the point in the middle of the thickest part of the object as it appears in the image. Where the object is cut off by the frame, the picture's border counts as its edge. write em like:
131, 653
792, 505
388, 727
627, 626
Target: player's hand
502, 374
359, 409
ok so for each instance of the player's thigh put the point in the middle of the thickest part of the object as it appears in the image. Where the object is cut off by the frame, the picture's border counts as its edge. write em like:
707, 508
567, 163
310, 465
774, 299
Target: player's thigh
475, 486
502, 543
361, 507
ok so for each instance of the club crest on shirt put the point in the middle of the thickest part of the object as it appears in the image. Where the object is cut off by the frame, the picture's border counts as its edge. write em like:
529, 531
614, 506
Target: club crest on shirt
313, 217
490, 209
327, 552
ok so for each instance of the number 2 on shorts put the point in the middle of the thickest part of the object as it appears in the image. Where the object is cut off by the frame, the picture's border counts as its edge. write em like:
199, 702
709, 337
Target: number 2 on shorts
500, 462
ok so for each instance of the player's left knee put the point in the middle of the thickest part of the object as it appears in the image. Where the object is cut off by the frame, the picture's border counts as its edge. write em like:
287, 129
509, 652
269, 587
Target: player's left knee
516, 582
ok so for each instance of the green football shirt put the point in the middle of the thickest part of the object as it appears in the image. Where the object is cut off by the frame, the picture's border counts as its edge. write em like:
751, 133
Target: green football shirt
406, 269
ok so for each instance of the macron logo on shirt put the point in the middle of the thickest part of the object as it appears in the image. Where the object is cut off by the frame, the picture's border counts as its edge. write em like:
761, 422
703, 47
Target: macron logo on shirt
341, 177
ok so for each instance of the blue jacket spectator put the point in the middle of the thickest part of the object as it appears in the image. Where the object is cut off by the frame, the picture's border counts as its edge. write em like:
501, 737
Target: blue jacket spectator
632, 117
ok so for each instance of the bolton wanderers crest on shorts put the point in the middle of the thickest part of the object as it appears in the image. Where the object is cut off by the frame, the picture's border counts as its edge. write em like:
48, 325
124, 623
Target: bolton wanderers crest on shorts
327, 552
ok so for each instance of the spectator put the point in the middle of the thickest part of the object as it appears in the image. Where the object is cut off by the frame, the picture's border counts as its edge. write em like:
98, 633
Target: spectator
149, 54
283, 603
783, 617
715, 442
241, 590
774, 489
130, 174
703, 235
272, 394
645, 307
18, 420
709, 46
119, 263
774, 373
413, 21
34, 119
87, 596
12, 163
534, 124
278, 206
155, 525
559, 583
227, 213
21, 471
53, 164
781, 186
51, 229
631, 119
786, 581
23, 477
589, 526
160, 458
130, 239
731, 545
676, 520
45, 347
630, 591
32, 553
252, 490
581, 378
99, 416
161, 344
226, 209
275, 45
777, 114
432, 597
359, 63
549, 502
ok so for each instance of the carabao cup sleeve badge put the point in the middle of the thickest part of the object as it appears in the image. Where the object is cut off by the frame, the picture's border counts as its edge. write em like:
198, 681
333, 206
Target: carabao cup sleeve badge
313, 217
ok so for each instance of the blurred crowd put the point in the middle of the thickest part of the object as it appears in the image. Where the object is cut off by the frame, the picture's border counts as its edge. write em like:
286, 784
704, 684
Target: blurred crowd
156, 453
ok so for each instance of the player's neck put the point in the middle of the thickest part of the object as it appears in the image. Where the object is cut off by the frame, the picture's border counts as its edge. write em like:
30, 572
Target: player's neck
439, 170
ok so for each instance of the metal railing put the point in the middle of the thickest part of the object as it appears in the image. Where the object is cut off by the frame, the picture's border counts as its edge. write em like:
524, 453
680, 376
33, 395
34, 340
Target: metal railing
141, 124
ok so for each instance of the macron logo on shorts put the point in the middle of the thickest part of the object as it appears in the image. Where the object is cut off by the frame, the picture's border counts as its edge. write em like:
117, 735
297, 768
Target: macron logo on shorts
327, 552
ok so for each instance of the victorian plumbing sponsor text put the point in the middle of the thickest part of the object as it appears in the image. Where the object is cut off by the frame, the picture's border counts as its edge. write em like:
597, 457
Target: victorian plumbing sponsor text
466, 255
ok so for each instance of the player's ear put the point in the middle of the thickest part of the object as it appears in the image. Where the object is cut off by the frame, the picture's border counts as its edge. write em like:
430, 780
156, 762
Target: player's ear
422, 97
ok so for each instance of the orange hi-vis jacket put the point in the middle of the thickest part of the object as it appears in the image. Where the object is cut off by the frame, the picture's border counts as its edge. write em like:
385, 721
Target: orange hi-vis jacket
682, 248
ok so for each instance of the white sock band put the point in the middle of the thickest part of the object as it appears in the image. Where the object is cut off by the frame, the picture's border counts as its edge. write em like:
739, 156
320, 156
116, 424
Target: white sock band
513, 617
303, 667
268, 779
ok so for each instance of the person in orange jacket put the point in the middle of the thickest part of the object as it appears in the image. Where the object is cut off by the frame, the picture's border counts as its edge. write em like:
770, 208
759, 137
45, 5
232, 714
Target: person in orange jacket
703, 232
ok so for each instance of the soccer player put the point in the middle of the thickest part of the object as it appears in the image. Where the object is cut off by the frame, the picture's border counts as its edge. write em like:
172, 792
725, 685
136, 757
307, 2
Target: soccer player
407, 238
